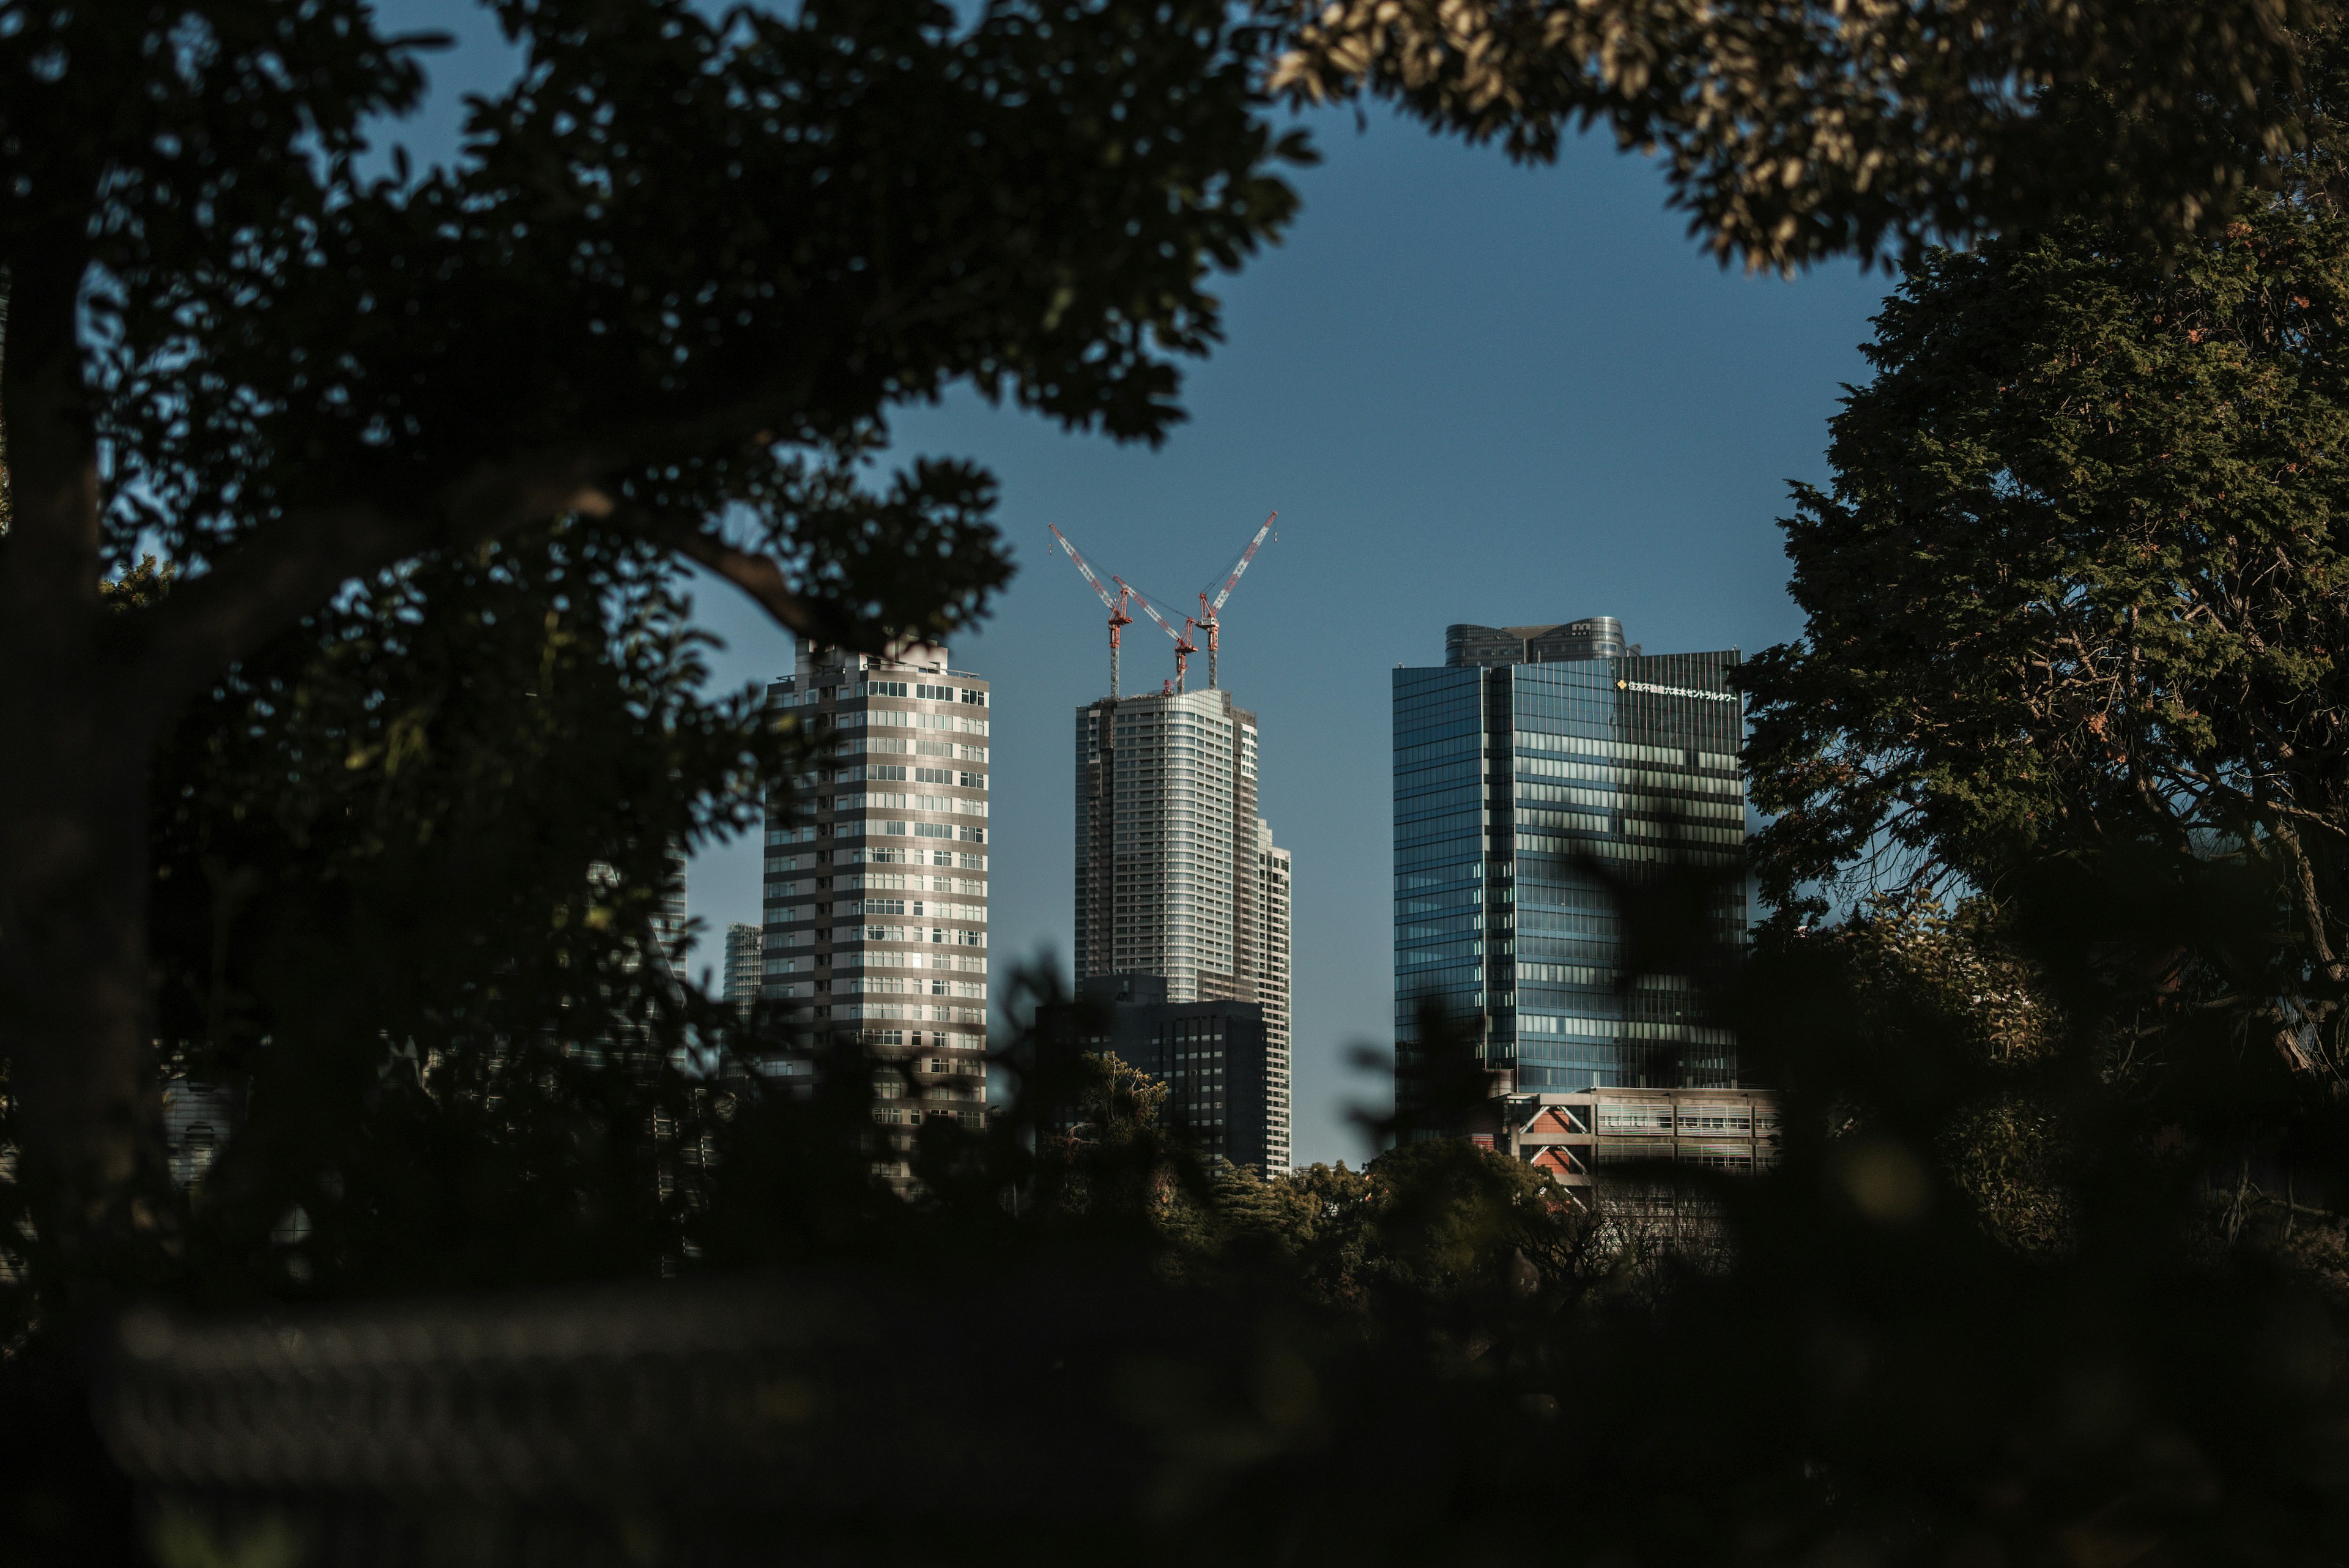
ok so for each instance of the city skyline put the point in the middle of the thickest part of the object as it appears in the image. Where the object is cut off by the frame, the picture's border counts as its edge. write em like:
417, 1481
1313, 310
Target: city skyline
1604, 423
1475, 393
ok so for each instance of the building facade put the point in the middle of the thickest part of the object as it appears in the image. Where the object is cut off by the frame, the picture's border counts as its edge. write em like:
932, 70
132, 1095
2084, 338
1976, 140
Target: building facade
1167, 842
1272, 873
1575, 1137
875, 917
1536, 763
1176, 874
1215, 1058
746, 947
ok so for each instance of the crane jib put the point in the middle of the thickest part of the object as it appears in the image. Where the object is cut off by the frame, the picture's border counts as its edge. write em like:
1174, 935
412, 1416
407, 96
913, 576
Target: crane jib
1204, 620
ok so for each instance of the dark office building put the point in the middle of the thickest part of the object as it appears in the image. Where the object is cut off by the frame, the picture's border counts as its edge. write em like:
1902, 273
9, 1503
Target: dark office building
1533, 757
1211, 1055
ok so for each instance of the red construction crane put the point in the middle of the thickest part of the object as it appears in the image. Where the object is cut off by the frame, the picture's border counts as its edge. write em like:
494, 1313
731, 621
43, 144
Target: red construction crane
1183, 647
1118, 620
1207, 618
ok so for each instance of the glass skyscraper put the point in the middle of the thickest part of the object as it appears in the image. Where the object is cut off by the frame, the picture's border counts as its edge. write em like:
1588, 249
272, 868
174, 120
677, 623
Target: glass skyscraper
1531, 759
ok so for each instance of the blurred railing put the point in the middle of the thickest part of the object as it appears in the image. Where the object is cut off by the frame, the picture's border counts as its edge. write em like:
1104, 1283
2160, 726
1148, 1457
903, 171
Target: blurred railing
682, 1423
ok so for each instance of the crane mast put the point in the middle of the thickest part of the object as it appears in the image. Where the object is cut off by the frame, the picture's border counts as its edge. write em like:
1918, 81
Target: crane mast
1183, 647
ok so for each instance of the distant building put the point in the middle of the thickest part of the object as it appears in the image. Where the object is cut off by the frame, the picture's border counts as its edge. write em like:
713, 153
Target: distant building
1167, 842
1272, 875
1575, 1137
745, 965
1533, 747
668, 921
1176, 874
875, 917
1214, 1057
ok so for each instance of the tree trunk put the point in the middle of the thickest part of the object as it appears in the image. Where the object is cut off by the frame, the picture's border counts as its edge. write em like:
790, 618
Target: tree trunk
74, 1007
76, 728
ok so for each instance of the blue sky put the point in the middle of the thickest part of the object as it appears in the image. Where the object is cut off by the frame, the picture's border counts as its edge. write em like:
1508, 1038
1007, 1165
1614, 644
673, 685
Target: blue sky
1474, 392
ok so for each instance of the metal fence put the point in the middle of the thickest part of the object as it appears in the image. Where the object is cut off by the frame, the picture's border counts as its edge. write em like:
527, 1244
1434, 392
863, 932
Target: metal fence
876, 1420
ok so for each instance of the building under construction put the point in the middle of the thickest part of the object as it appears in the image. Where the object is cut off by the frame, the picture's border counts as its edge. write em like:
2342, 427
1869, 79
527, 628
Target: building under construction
1176, 873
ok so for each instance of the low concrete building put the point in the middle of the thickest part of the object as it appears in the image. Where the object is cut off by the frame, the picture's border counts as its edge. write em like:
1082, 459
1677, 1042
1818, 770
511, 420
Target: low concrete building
1577, 1135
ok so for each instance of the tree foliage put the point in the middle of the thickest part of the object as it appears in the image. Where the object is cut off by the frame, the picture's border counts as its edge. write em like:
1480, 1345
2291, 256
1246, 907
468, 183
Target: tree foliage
1795, 133
2075, 599
666, 297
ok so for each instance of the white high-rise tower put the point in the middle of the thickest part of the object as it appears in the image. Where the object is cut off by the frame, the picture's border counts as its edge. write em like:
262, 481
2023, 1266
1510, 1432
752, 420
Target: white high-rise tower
1272, 869
1176, 874
876, 890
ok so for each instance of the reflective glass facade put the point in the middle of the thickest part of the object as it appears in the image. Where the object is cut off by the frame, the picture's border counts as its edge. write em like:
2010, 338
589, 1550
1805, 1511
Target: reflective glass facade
1504, 775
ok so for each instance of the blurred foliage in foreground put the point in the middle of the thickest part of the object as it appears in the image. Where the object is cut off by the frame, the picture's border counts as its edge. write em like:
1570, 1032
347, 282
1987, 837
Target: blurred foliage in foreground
1991, 1308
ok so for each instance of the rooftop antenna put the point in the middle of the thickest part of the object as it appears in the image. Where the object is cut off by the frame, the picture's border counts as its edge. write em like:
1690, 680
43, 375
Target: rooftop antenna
1118, 620
1208, 612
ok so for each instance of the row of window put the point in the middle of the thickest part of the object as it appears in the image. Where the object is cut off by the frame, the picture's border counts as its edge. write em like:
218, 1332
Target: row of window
1611, 800
898, 718
1639, 1118
858, 827
948, 776
1562, 950
934, 909
864, 1010
895, 745
1437, 830
877, 958
921, 691
1615, 849
903, 985
892, 856
1576, 1028
889, 801
1538, 918
893, 879
1531, 741
1556, 895
1443, 953
1445, 840
936, 1037
1680, 832
937, 934
1609, 1031
1529, 973
1529, 766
